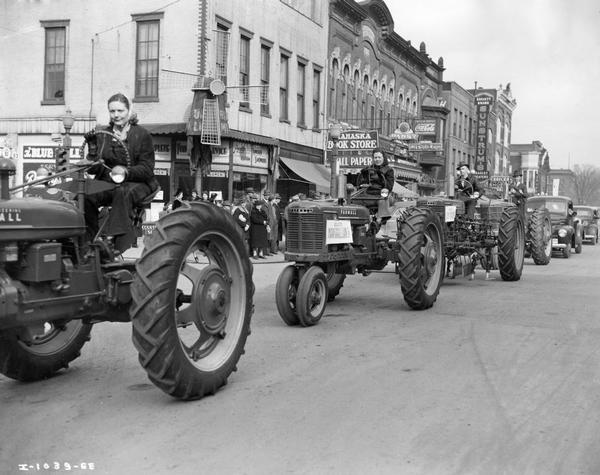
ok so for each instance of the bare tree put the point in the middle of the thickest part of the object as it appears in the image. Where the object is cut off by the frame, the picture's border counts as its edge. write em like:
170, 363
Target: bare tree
586, 184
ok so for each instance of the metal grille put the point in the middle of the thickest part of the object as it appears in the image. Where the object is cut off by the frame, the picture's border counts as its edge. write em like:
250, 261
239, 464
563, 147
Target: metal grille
210, 132
305, 232
258, 95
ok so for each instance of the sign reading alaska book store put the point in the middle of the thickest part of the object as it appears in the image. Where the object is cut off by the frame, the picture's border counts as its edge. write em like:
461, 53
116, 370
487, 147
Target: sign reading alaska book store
355, 148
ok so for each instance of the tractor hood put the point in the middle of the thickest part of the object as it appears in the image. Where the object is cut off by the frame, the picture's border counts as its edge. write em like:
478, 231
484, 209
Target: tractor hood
33, 219
330, 208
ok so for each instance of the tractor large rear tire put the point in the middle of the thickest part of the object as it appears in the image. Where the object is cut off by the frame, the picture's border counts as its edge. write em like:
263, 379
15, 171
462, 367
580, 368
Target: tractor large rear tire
192, 301
31, 355
540, 235
511, 245
420, 257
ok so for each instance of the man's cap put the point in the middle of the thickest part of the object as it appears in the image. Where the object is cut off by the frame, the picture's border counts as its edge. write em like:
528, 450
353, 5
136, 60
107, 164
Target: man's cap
517, 173
462, 164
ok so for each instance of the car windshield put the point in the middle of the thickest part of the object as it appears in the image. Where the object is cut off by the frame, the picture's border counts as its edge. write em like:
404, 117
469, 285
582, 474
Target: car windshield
554, 206
584, 212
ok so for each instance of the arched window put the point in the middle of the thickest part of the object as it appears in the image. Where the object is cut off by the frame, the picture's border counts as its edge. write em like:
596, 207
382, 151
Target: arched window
365, 101
355, 98
332, 89
345, 90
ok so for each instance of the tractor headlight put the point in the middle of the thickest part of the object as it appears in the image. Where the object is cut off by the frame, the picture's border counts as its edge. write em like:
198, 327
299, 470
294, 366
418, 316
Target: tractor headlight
562, 232
118, 174
385, 192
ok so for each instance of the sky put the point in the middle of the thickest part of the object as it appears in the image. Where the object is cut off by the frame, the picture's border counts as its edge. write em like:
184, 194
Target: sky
548, 50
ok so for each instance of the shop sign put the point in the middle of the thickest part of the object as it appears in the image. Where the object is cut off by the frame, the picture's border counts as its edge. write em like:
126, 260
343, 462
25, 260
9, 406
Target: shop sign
483, 104
181, 150
45, 152
162, 148
242, 154
220, 153
425, 147
217, 174
354, 140
260, 156
425, 127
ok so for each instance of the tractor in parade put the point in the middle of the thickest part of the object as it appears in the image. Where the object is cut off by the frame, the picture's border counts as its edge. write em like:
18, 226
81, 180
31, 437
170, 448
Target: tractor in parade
189, 297
331, 238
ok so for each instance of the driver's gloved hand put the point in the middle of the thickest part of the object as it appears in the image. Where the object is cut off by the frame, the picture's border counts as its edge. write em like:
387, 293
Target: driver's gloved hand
92, 141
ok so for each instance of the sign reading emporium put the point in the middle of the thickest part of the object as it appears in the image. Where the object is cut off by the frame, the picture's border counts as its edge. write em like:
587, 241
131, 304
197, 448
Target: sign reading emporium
483, 104
355, 148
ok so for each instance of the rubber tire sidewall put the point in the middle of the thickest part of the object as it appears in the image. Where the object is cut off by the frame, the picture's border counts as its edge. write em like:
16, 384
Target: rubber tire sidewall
288, 314
511, 267
154, 327
305, 287
20, 363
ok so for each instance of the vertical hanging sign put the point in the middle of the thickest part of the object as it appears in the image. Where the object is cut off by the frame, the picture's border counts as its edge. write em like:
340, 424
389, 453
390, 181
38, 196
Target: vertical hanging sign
483, 104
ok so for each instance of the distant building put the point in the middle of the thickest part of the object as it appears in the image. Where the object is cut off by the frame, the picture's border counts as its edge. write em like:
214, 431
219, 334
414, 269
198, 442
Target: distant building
460, 130
534, 161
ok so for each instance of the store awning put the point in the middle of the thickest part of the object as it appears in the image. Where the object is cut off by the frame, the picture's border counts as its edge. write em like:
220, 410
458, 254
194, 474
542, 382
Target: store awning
403, 192
163, 129
311, 172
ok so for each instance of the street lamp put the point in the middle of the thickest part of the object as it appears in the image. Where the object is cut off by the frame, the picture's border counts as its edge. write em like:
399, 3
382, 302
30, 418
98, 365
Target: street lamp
68, 120
335, 131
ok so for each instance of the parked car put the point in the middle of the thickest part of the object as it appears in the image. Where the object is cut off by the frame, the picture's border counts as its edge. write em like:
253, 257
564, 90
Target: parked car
567, 232
588, 215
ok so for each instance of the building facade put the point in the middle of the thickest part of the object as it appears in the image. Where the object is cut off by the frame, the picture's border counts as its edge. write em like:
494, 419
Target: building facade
534, 161
460, 131
378, 82
71, 58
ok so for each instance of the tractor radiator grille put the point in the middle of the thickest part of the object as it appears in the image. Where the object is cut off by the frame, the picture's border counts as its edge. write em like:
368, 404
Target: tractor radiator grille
305, 233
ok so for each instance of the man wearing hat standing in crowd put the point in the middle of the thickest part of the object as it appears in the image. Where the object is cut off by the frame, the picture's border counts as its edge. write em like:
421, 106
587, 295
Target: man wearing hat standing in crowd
517, 190
466, 188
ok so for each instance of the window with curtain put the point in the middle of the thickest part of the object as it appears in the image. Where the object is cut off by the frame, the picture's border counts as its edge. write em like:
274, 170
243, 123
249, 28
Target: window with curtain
283, 87
54, 65
265, 73
316, 101
244, 70
300, 93
146, 65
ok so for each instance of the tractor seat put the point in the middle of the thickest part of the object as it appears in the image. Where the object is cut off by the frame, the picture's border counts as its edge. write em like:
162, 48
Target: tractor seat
140, 206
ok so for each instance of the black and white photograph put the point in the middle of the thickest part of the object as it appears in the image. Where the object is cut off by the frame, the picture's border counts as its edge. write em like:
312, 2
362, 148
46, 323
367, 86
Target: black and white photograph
311, 237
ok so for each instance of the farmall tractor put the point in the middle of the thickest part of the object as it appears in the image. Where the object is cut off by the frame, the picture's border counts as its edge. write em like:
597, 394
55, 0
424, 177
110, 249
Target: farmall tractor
493, 238
329, 239
189, 296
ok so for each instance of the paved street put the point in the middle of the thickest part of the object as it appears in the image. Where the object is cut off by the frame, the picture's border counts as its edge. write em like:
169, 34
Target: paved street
499, 377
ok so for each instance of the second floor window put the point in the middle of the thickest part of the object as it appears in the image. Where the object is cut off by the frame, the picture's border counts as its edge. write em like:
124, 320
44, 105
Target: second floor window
54, 65
245, 70
265, 73
283, 87
301, 87
146, 68
316, 102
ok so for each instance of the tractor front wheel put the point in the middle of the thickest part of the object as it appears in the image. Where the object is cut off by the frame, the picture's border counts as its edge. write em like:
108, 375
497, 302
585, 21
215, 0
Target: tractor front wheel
420, 257
312, 296
192, 299
286, 290
34, 353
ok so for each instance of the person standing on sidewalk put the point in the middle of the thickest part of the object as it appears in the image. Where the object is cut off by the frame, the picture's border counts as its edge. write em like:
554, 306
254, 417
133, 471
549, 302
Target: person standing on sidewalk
259, 228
